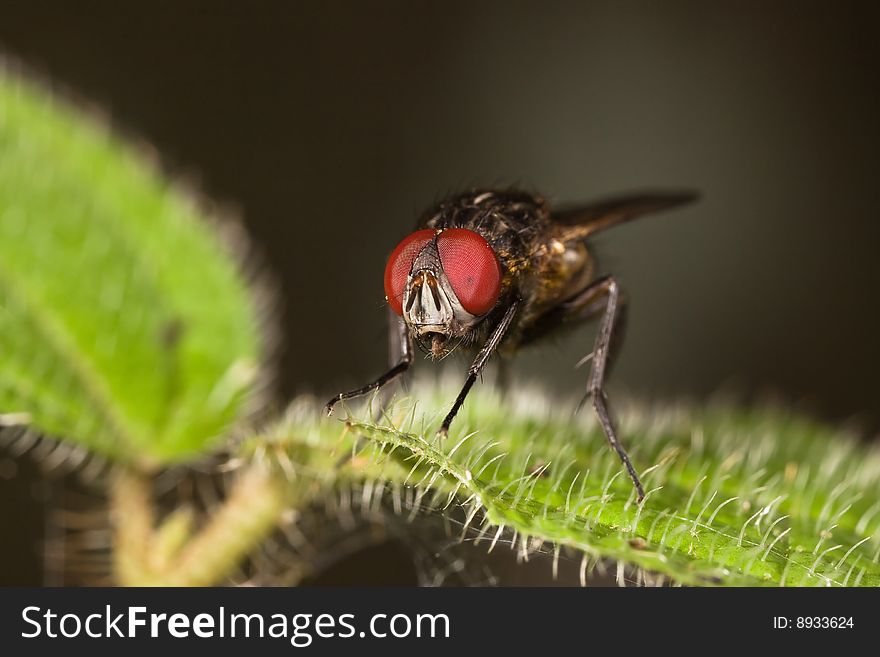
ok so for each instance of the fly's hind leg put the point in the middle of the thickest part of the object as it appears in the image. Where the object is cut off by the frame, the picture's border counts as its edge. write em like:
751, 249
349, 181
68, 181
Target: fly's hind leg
603, 296
618, 331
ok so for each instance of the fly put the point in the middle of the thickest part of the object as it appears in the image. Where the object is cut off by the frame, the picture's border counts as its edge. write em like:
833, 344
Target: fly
496, 270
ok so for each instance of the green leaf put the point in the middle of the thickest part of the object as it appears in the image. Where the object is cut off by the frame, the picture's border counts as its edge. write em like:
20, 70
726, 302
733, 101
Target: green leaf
124, 323
736, 497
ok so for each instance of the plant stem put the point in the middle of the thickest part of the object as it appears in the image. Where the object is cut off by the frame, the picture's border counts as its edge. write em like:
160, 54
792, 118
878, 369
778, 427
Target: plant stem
251, 511
133, 516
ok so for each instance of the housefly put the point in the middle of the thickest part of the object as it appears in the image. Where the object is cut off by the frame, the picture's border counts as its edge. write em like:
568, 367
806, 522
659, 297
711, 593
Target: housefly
495, 270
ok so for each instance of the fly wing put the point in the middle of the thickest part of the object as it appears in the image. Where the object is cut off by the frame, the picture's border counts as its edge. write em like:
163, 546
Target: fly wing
588, 219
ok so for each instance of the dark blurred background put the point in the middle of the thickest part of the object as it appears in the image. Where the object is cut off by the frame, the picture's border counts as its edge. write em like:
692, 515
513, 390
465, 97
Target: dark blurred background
330, 125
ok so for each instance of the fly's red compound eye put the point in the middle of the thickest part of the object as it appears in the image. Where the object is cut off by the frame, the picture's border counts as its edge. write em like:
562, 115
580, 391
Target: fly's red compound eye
472, 268
399, 264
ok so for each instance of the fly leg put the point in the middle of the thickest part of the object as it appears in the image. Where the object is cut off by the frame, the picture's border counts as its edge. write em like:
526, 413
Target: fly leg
400, 356
479, 363
607, 292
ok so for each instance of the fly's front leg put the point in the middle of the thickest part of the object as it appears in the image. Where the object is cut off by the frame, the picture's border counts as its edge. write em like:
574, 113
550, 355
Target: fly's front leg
400, 355
605, 290
479, 363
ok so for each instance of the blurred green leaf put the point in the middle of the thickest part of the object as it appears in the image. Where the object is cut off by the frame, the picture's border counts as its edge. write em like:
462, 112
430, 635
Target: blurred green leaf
124, 323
